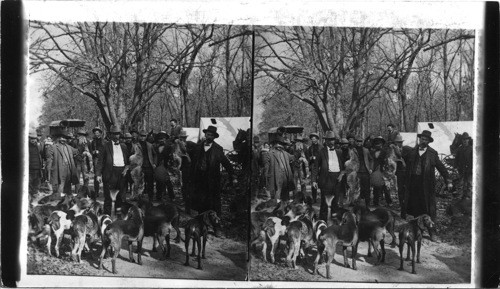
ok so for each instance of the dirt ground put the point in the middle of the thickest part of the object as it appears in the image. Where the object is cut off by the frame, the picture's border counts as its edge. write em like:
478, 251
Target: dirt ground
226, 259
446, 261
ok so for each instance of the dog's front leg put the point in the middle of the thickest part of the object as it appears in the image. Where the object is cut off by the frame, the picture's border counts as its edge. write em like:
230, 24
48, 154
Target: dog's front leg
156, 236
204, 244
401, 252
419, 245
353, 256
291, 249
382, 247
130, 255
103, 252
198, 241
186, 247
344, 252
139, 249
413, 258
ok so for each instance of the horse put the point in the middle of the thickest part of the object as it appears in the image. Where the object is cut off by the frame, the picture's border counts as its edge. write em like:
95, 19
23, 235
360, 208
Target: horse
242, 147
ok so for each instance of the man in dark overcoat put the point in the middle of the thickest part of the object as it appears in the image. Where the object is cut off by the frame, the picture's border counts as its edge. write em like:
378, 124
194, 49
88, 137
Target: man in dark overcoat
63, 168
148, 163
312, 154
464, 165
365, 168
35, 165
279, 175
421, 179
327, 172
96, 147
206, 173
112, 167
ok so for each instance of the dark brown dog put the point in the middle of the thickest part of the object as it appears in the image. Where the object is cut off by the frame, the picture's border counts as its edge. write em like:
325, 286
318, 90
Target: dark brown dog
410, 233
345, 234
159, 222
384, 216
197, 228
132, 228
372, 231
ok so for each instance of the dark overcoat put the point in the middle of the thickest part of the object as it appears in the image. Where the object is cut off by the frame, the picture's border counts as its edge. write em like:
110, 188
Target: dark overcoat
275, 176
207, 184
424, 194
55, 159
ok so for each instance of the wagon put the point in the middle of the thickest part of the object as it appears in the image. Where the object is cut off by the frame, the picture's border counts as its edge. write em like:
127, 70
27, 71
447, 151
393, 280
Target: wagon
291, 132
66, 125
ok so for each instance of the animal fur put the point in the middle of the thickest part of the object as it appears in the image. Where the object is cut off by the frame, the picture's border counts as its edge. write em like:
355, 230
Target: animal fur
196, 229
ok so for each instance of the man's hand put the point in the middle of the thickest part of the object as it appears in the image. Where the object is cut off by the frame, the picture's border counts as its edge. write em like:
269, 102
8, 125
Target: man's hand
99, 179
124, 173
315, 185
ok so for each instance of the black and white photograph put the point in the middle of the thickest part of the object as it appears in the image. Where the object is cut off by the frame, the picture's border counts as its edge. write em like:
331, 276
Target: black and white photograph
138, 154
363, 138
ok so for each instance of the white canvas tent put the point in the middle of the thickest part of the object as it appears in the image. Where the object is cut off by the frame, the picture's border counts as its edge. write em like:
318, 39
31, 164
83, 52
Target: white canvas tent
409, 138
227, 128
192, 133
443, 133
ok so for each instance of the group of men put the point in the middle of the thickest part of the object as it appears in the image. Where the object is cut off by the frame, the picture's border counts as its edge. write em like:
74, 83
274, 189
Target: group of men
285, 166
66, 160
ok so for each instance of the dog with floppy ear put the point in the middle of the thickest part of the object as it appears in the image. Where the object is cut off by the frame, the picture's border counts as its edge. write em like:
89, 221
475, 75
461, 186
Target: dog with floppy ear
86, 224
273, 230
132, 228
345, 234
410, 233
197, 228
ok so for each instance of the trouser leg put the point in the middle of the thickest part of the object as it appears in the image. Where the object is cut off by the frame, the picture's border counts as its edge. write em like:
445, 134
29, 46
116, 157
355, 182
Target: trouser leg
149, 182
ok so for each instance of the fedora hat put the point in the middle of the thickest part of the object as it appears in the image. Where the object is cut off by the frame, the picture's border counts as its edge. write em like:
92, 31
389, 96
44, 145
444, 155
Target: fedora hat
279, 139
127, 135
351, 136
314, 134
359, 138
162, 134
465, 135
82, 132
183, 133
329, 135
114, 129
398, 138
427, 134
211, 129
344, 141
68, 135
96, 128
132, 130
379, 139
32, 134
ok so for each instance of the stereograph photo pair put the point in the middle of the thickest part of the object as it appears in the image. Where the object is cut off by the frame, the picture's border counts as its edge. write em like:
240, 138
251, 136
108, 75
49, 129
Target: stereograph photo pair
250, 153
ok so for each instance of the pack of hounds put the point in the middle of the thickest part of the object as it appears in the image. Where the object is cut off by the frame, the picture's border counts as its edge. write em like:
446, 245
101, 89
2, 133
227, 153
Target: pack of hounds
82, 220
297, 225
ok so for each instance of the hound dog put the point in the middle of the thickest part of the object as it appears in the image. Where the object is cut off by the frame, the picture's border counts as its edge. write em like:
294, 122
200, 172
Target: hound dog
131, 228
345, 234
299, 236
272, 230
86, 224
197, 228
410, 233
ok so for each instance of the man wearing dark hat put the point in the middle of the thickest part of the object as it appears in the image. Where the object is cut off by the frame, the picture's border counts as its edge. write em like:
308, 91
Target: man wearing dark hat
365, 166
112, 166
175, 128
135, 135
96, 147
164, 157
279, 174
83, 158
327, 171
35, 164
377, 177
313, 154
148, 163
421, 178
63, 167
401, 153
187, 150
464, 165
391, 132
206, 173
